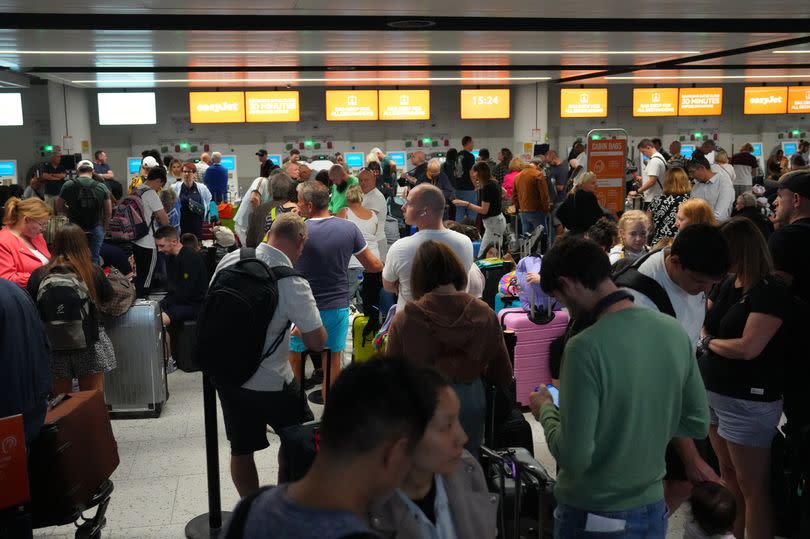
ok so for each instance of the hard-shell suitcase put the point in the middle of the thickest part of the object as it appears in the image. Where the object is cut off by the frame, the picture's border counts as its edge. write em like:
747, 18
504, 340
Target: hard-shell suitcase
55, 223
74, 454
138, 386
362, 341
493, 271
534, 337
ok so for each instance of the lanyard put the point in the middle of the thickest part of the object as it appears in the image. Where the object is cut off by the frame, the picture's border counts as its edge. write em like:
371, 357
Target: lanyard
444, 528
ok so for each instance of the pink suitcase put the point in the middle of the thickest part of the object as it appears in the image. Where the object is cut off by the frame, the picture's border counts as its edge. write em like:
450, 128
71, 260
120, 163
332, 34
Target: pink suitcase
532, 348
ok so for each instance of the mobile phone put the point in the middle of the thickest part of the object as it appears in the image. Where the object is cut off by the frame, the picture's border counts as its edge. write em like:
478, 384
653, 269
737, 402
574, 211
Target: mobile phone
555, 394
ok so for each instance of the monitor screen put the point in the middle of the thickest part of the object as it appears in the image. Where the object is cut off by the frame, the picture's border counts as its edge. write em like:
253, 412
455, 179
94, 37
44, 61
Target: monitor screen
275, 158
351, 105
216, 107
229, 161
134, 165
790, 148
354, 159
11, 109
687, 150
8, 168
475, 153
280, 106
485, 104
404, 104
69, 161
130, 108
399, 159
583, 103
757, 149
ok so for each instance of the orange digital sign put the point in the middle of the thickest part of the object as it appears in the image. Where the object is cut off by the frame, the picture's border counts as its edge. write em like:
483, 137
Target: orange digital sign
655, 101
404, 104
765, 99
351, 105
485, 104
281, 106
798, 99
216, 107
701, 102
583, 103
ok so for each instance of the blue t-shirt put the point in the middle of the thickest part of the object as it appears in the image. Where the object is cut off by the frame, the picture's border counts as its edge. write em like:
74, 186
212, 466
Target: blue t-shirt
331, 242
101, 168
273, 514
216, 178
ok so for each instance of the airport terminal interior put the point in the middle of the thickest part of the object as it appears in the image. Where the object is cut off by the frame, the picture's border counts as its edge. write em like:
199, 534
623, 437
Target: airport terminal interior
212, 112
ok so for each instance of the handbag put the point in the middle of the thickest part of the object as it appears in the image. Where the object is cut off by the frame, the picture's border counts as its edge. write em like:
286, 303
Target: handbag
196, 207
123, 294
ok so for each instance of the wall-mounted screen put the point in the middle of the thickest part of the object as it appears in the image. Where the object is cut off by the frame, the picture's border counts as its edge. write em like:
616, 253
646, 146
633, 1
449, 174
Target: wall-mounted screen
283, 106
404, 104
8, 168
765, 100
216, 107
475, 154
354, 159
275, 158
757, 149
351, 105
398, 158
700, 102
229, 162
790, 148
687, 150
127, 108
798, 99
11, 109
134, 165
583, 102
485, 104
655, 102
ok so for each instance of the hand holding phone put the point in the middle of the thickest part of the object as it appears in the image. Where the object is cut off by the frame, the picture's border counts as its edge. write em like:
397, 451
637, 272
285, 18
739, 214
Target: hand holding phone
555, 394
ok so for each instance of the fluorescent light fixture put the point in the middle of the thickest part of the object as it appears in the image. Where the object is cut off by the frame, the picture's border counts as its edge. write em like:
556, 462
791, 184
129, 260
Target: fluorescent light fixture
792, 52
334, 52
131, 108
353, 80
711, 77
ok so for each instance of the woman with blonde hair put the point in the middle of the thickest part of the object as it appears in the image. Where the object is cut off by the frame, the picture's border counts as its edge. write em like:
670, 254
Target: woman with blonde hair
664, 208
695, 211
22, 245
581, 210
366, 220
516, 165
721, 161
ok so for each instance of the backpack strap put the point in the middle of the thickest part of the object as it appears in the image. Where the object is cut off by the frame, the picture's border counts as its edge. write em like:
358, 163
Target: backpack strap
236, 526
247, 252
657, 179
631, 277
279, 272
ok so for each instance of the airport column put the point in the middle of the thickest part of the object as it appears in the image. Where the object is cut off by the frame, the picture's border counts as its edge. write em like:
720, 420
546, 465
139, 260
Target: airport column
70, 118
530, 111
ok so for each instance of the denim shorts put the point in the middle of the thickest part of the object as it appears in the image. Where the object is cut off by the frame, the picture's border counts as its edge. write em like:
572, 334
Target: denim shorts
744, 422
336, 323
647, 522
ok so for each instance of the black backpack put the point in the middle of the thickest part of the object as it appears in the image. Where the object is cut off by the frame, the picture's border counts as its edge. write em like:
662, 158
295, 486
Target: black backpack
240, 302
88, 205
631, 277
65, 306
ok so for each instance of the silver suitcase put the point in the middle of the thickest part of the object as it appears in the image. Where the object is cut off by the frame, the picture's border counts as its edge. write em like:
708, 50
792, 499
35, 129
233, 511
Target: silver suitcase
137, 388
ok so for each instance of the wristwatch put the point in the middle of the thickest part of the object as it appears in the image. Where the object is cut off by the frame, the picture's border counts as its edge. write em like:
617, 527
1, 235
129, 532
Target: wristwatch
703, 345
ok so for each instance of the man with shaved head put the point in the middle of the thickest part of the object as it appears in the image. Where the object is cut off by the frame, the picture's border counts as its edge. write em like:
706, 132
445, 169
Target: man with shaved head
424, 207
374, 200
340, 181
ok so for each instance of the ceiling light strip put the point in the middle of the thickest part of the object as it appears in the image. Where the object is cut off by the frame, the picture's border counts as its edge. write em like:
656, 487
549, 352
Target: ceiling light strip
294, 81
710, 77
334, 52
792, 52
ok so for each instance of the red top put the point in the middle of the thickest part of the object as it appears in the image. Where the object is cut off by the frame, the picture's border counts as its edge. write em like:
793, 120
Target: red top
16, 259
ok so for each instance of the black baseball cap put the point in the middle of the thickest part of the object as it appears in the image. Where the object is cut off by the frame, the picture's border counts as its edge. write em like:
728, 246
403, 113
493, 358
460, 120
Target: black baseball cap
698, 159
261, 152
797, 181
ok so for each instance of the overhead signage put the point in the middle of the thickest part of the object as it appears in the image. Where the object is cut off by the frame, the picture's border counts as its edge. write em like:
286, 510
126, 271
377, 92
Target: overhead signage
404, 104
798, 99
216, 107
606, 159
127, 108
485, 104
701, 102
765, 100
583, 103
655, 102
283, 106
11, 112
351, 105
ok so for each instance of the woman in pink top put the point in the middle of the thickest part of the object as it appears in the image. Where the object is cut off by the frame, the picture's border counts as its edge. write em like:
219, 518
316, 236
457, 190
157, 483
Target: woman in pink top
22, 246
515, 166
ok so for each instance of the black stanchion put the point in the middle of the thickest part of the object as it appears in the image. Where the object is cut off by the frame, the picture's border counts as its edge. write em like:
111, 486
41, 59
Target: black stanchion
208, 525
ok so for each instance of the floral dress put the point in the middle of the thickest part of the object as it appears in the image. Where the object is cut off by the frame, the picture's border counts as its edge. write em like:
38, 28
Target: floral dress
664, 209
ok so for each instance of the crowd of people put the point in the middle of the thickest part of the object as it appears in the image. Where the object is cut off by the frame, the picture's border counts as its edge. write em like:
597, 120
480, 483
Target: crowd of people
679, 352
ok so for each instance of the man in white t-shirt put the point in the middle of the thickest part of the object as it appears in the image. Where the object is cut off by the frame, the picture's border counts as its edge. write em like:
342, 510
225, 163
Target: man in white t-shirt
424, 208
652, 183
271, 395
709, 149
374, 200
697, 260
713, 187
144, 250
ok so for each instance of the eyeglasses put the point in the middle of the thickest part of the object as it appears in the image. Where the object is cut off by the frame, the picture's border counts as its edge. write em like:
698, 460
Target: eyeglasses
188, 172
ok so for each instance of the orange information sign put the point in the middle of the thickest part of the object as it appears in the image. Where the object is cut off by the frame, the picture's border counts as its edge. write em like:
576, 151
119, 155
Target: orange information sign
765, 99
351, 105
13, 463
655, 101
404, 104
606, 159
281, 106
701, 102
216, 107
485, 104
798, 99
583, 103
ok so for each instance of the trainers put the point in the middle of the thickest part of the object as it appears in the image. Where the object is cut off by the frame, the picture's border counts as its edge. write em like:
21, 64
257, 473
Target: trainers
171, 366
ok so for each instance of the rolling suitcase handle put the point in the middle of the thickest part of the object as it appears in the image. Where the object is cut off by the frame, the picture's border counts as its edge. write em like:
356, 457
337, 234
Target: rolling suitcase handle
546, 317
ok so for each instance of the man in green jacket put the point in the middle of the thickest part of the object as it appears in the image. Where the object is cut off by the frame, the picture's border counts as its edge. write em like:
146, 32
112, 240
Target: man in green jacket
341, 181
629, 384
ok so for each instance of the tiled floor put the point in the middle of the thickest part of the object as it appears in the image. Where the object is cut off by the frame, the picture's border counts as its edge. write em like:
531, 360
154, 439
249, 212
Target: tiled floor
161, 483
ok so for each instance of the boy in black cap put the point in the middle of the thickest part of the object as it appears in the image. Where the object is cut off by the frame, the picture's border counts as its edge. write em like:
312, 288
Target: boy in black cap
267, 165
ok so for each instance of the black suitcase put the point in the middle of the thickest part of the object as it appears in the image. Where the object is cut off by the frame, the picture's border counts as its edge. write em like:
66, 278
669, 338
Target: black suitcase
183, 343
492, 278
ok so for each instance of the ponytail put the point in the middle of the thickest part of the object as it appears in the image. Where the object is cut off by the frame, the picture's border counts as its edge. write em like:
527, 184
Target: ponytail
16, 209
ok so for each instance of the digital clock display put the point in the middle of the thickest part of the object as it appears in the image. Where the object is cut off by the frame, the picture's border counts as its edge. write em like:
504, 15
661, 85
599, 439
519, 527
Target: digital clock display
492, 104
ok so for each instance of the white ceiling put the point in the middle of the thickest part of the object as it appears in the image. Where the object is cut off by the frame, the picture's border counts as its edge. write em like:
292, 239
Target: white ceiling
336, 56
